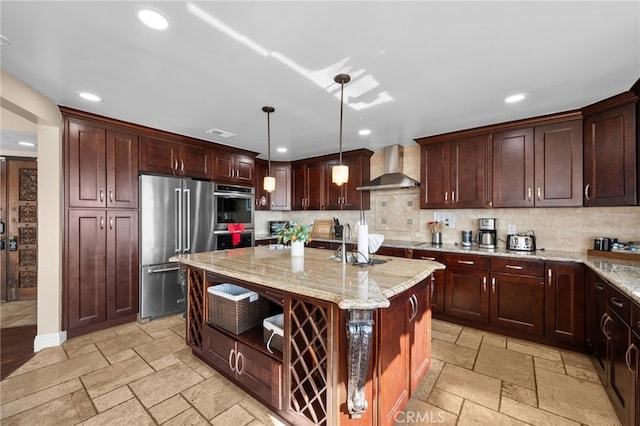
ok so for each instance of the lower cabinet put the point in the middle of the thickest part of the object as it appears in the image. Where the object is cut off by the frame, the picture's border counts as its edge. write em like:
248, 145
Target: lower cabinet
101, 268
437, 279
517, 303
564, 303
249, 367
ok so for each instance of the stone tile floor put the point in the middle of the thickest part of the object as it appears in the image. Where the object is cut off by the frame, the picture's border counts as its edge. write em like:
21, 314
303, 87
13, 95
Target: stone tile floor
18, 313
145, 374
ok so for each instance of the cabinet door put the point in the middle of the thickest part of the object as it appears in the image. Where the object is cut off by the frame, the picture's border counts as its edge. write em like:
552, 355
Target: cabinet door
619, 375
332, 192
558, 164
122, 170
436, 171
345, 197
466, 294
634, 357
122, 263
314, 185
158, 156
436, 296
420, 340
393, 358
513, 168
223, 166
517, 303
86, 165
194, 162
468, 172
299, 186
219, 350
565, 303
610, 157
281, 197
260, 373
86, 267
244, 167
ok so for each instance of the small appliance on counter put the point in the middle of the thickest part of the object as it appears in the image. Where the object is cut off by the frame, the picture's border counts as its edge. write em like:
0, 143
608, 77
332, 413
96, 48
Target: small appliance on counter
274, 225
521, 242
487, 233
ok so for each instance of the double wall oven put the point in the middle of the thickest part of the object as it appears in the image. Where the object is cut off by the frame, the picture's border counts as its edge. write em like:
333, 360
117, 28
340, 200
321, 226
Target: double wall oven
234, 216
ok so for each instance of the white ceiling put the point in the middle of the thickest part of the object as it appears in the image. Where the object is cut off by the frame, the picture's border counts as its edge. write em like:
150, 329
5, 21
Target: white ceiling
418, 68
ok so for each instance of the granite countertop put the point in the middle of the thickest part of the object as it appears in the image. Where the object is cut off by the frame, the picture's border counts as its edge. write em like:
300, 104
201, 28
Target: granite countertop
316, 275
624, 274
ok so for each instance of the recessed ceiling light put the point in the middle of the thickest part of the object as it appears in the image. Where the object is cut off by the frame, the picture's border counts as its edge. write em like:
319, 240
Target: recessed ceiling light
514, 98
23, 143
153, 19
282, 149
364, 132
90, 97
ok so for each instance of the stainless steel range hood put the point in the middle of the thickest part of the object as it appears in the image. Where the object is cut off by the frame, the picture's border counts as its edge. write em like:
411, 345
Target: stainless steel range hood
393, 178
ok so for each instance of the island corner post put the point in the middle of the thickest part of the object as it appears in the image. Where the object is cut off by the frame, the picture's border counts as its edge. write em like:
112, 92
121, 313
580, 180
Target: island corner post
355, 349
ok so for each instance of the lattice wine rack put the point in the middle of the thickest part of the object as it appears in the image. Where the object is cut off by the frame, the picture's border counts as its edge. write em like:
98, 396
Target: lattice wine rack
196, 307
309, 351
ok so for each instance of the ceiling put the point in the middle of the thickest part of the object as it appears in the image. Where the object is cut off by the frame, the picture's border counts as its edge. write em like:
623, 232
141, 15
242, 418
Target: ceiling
417, 68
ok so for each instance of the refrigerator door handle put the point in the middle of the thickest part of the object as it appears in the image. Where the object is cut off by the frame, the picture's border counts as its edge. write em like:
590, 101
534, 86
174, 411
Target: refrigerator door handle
178, 224
187, 202
159, 271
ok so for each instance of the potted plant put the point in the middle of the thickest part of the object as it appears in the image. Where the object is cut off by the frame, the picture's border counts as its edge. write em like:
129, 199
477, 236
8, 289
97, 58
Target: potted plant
298, 234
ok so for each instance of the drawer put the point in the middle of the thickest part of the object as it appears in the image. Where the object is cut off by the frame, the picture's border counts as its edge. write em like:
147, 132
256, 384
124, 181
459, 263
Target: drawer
510, 265
619, 303
599, 286
635, 317
466, 261
392, 251
436, 256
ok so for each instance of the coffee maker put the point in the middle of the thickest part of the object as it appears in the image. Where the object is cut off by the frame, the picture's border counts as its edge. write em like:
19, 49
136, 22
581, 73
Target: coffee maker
487, 233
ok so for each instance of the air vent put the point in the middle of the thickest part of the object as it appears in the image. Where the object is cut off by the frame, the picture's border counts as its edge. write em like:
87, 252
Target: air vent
220, 133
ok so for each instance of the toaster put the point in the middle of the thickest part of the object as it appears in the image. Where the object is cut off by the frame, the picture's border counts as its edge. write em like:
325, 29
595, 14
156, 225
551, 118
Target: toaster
521, 242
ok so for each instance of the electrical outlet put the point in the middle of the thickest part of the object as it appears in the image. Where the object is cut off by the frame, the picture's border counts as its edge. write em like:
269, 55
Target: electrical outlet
511, 229
448, 218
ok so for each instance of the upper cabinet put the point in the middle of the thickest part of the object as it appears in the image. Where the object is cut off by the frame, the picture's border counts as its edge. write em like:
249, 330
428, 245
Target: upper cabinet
611, 152
231, 167
101, 166
538, 166
345, 196
454, 173
280, 198
178, 159
305, 188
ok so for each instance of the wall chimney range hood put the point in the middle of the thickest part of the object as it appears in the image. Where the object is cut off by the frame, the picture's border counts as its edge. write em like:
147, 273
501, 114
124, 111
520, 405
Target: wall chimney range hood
393, 178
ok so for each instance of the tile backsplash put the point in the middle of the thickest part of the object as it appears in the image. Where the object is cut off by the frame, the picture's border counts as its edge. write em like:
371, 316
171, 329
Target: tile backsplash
397, 215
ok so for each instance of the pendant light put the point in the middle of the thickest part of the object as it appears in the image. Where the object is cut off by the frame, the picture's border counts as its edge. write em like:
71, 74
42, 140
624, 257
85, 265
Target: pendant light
269, 183
340, 173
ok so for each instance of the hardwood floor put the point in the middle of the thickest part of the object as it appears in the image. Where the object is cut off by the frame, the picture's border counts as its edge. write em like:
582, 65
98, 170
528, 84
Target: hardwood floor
16, 348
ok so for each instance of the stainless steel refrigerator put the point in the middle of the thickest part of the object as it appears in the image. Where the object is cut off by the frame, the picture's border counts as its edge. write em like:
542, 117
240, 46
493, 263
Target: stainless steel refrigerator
176, 216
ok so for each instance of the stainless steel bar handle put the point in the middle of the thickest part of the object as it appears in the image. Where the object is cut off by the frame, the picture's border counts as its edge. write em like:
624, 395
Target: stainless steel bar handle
181, 165
539, 194
187, 242
466, 262
433, 285
178, 222
240, 362
159, 271
599, 286
587, 192
111, 222
484, 284
446, 196
427, 258
513, 267
413, 308
606, 332
111, 195
493, 285
101, 222
549, 276
602, 323
101, 194
617, 302
453, 196
232, 360
529, 193
627, 357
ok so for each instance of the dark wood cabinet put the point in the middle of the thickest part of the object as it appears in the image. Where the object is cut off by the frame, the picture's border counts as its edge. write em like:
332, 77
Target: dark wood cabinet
517, 303
280, 198
405, 349
306, 185
565, 315
611, 152
231, 167
454, 173
512, 157
101, 166
171, 157
102, 267
345, 196
466, 292
437, 280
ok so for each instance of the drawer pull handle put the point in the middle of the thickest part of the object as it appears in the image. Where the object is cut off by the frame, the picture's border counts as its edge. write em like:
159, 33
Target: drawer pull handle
627, 357
484, 284
617, 302
427, 258
101, 194
466, 262
513, 267
549, 277
599, 286
493, 285
240, 369
587, 192
232, 360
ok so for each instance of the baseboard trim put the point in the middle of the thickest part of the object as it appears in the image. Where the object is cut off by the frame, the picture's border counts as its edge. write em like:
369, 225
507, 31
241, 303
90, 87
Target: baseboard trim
43, 341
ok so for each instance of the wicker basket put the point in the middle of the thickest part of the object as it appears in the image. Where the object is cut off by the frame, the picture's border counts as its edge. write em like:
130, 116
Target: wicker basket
273, 332
235, 308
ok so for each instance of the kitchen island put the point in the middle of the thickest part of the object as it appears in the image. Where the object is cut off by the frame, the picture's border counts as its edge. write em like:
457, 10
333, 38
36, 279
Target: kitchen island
356, 339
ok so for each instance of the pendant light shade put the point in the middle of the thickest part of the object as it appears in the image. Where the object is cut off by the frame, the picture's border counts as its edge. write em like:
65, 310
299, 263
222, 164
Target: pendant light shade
269, 183
340, 173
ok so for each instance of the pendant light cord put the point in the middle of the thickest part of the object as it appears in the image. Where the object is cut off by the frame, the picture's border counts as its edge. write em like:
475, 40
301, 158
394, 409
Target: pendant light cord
341, 107
269, 142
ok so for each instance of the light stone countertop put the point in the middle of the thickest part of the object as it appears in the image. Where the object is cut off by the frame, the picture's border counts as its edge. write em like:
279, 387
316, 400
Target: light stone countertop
624, 274
316, 275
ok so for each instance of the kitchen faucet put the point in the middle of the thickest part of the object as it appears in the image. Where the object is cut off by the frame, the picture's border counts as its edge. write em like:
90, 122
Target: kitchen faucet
344, 239
349, 228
